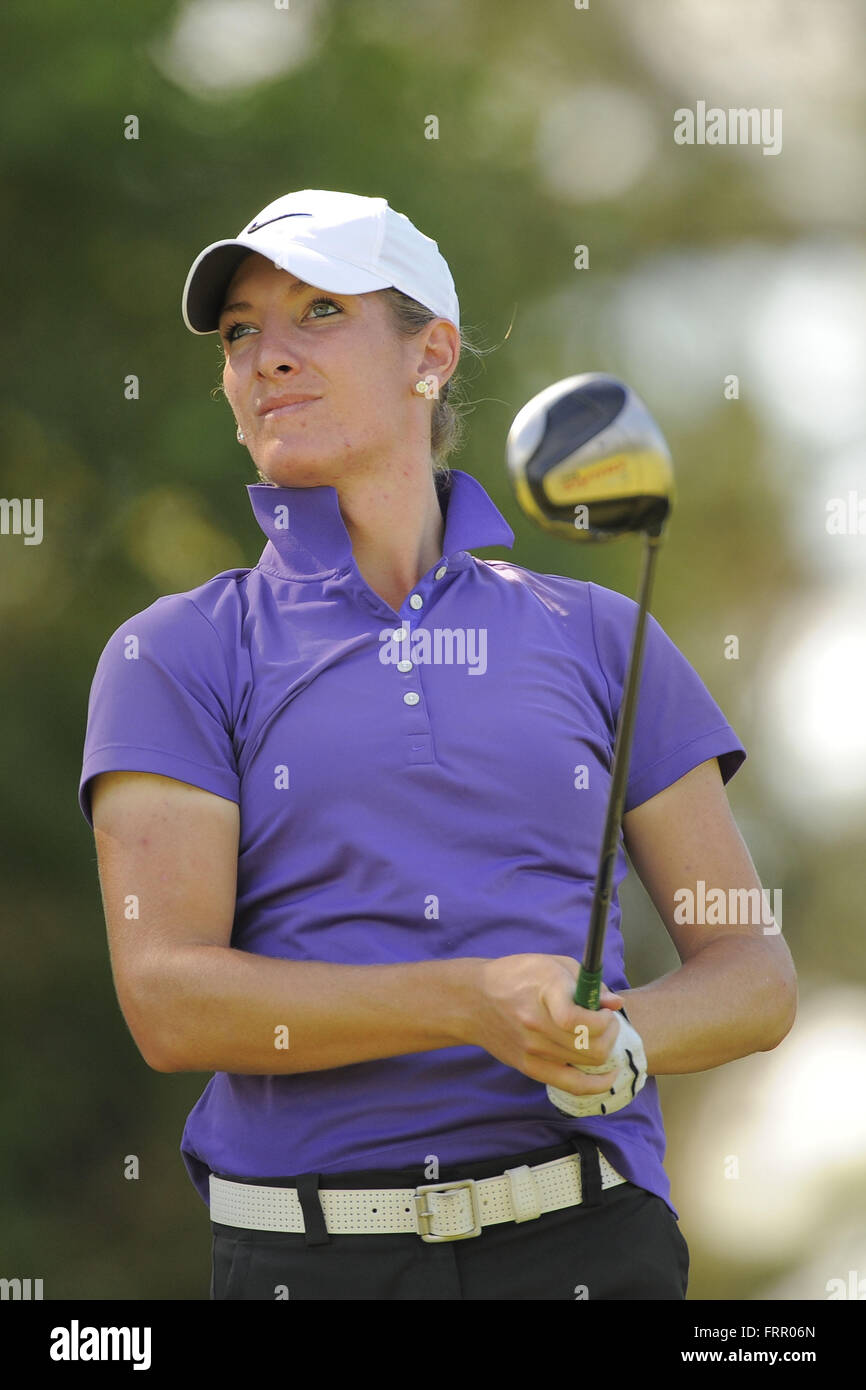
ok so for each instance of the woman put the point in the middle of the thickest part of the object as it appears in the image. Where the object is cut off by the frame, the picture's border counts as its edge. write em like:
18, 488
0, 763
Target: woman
347, 807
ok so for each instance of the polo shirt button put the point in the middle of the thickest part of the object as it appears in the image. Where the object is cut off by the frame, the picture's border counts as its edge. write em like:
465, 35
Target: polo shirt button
410, 698
441, 570
416, 601
404, 666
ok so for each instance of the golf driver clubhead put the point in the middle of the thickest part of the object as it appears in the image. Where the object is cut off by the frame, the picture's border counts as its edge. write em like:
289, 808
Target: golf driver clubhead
588, 462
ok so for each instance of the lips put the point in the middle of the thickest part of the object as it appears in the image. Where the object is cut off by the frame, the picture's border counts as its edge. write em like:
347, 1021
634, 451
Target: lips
284, 404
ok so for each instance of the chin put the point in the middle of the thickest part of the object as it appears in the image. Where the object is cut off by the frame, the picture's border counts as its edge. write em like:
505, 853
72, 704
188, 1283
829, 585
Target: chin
296, 471
290, 465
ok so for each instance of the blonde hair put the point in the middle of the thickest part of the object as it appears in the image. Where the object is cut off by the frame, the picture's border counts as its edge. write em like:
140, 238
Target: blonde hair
448, 423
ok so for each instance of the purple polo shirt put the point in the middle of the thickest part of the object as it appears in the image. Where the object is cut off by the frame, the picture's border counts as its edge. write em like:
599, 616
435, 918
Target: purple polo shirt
402, 807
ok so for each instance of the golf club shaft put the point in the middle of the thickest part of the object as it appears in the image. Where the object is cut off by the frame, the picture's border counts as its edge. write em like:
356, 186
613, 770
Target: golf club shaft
588, 991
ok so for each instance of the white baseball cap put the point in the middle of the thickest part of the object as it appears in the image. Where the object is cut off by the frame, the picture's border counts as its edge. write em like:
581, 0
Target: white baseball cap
335, 241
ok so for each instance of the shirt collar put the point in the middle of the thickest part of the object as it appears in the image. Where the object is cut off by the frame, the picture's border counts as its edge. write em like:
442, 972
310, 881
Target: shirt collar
308, 539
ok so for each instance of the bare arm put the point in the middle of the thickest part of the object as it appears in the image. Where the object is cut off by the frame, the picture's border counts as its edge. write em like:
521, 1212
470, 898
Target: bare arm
195, 1003
736, 990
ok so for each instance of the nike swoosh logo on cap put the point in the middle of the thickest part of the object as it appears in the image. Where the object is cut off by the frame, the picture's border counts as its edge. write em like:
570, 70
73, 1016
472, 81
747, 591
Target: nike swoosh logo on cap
256, 226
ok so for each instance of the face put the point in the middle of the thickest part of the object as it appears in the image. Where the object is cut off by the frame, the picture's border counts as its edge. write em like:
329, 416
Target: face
283, 338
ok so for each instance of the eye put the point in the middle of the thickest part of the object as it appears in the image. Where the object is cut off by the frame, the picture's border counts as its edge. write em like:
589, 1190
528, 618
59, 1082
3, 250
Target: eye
323, 300
229, 333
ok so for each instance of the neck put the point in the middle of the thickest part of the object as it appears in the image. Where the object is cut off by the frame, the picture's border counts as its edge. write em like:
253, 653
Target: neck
396, 527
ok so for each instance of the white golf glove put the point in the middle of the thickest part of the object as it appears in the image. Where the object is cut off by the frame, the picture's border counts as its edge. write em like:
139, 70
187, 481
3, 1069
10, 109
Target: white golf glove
628, 1054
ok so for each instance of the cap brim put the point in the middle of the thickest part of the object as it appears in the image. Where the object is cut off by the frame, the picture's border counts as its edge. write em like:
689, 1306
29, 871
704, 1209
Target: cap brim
211, 274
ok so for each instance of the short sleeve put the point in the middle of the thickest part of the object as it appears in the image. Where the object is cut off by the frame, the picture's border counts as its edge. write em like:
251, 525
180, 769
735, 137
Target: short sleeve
161, 702
678, 724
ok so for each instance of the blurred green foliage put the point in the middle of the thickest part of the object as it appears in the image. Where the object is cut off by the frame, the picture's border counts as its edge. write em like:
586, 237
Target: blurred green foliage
98, 233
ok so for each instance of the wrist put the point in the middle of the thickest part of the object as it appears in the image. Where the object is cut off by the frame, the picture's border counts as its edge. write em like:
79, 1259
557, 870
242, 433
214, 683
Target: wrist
460, 997
634, 1013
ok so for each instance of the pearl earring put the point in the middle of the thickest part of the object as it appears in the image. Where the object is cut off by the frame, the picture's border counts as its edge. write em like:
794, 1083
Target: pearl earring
428, 387
240, 435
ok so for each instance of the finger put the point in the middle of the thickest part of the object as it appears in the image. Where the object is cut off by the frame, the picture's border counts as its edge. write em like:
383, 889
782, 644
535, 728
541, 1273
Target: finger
580, 1048
568, 1016
594, 1050
558, 998
577, 1082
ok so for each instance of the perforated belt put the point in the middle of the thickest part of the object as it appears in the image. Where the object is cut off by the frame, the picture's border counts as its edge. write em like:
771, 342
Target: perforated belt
433, 1211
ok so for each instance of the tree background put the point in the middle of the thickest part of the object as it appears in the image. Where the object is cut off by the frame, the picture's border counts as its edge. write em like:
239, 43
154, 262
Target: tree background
555, 130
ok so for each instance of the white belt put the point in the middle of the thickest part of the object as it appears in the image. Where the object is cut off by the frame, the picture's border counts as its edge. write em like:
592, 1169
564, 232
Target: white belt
434, 1211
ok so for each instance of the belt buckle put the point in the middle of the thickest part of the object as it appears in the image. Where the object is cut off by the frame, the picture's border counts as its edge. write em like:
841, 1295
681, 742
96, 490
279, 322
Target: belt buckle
423, 1215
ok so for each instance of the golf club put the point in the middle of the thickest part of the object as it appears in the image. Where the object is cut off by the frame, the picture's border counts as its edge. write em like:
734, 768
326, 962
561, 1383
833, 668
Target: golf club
589, 463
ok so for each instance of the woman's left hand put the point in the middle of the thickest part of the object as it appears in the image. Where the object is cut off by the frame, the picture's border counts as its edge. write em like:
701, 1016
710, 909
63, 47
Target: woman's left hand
629, 1056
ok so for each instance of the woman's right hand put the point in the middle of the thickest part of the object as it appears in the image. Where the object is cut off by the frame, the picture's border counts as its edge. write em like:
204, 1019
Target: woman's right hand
526, 1017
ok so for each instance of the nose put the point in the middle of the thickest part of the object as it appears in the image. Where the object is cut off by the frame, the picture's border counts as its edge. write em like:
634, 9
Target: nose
278, 351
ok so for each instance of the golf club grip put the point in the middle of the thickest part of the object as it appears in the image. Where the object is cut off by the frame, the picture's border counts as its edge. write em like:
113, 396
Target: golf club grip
588, 992
591, 965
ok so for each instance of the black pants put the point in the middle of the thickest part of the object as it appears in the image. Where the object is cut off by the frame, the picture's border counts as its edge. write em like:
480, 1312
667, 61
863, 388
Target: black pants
619, 1243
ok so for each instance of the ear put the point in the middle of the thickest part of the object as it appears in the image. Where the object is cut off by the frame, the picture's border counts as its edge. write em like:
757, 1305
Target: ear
441, 351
